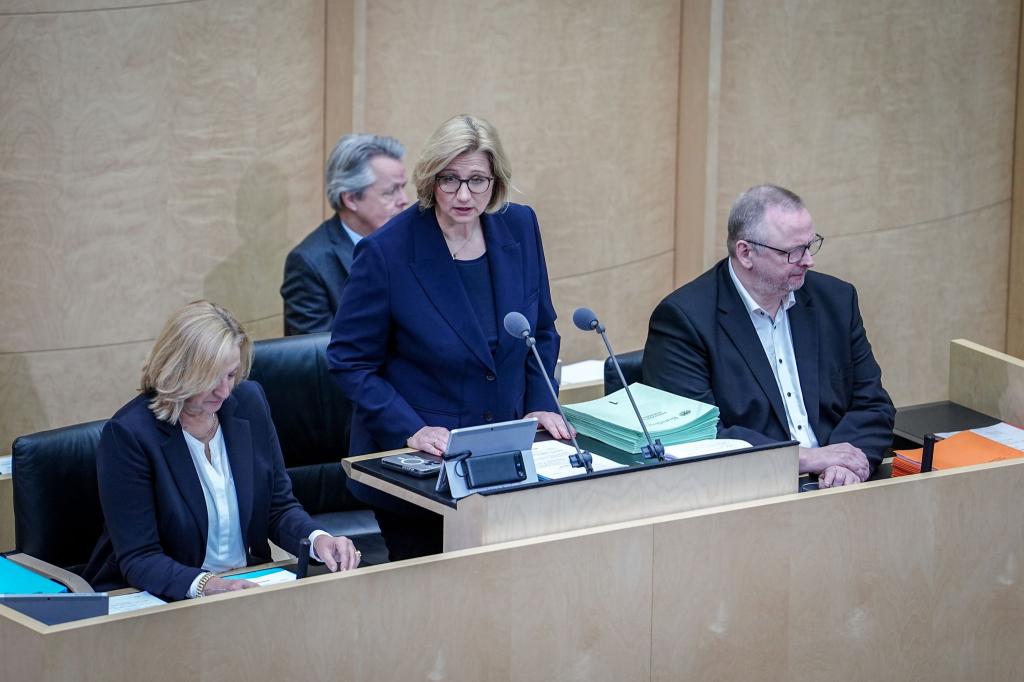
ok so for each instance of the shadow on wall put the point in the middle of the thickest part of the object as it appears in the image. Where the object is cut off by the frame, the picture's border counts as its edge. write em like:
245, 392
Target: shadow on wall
247, 282
21, 409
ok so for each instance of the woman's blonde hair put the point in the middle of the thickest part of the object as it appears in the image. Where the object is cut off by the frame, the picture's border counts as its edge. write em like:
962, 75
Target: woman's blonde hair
189, 356
459, 135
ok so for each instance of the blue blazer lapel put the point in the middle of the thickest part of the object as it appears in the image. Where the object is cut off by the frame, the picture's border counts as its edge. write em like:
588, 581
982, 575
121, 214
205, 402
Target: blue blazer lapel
505, 257
183, 470
238, 441
735, 321
804, 327
434, 268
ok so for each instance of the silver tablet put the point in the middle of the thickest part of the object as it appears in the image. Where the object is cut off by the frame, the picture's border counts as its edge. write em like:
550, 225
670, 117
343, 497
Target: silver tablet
488, 438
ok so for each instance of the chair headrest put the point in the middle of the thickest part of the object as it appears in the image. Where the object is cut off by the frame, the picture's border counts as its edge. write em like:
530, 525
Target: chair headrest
311, 414
632, 364
57, 512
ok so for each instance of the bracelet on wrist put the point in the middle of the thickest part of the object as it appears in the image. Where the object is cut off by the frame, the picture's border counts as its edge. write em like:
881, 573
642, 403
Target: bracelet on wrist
201, 585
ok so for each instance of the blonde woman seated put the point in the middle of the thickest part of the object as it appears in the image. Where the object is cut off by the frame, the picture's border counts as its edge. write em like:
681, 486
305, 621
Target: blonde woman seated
191, 476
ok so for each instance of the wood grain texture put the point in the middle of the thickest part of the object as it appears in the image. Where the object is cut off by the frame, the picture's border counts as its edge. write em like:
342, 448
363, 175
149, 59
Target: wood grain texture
894, 122
921, 286
1015, 298
149, 157
516, 614
906, 579
987, 381
585, 97
917, 578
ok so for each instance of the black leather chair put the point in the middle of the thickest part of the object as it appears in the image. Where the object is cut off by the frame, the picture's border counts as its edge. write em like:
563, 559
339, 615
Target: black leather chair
313, 418
57, 513
632, 364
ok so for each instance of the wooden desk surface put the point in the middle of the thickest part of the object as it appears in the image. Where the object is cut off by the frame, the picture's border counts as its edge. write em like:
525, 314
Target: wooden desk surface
906, 579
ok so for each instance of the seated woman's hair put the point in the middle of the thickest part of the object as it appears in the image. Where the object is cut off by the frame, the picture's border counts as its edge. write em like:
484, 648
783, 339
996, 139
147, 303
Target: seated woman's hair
189, 356
459, 135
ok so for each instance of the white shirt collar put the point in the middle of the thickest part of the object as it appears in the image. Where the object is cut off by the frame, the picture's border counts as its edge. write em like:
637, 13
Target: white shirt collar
354, 236
748, 300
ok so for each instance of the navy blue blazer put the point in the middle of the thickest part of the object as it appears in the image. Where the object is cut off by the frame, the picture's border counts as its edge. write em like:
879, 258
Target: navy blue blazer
153, 505
407, 348
315, 273
702, 344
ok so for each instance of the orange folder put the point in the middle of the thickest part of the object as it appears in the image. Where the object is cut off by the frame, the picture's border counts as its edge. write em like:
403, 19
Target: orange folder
959, 450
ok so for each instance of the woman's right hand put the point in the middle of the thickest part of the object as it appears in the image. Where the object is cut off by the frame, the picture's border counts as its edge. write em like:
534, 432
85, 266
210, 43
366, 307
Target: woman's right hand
432, 440
217, 585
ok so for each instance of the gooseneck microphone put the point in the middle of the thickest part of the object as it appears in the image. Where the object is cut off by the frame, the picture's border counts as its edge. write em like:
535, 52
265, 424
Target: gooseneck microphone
586, 319
518, 326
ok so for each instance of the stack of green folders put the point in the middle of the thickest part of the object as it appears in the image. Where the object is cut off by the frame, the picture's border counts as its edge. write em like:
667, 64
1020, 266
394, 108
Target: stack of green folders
672, 418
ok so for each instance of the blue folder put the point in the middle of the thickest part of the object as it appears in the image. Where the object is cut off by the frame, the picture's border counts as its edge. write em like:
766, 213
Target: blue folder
16, 579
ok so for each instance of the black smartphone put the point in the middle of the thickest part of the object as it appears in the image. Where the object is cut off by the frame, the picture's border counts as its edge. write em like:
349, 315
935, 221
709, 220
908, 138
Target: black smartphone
494, 469
420, 466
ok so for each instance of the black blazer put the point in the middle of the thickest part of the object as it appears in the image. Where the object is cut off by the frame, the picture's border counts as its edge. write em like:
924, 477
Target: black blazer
153, 505
702, 344
315, 273
407, 347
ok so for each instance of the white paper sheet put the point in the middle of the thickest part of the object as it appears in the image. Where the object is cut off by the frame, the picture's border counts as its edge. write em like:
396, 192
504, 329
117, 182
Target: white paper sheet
124, 603
704, 447
1002, 432
552, 461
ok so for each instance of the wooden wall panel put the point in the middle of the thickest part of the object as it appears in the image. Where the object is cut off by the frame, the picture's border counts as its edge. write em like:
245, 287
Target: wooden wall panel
1015, 299
149, 156
894, 122
585, 97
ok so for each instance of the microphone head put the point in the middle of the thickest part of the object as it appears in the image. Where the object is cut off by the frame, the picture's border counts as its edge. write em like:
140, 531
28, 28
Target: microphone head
517, 325
585, 319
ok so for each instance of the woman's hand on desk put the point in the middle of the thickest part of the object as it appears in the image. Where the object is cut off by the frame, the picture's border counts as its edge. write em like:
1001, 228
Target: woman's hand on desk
553, 424
217, 585
432, 440
337, 553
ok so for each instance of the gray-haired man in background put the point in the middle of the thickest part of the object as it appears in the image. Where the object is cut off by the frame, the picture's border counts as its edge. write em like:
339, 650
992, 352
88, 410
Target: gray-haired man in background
365, 184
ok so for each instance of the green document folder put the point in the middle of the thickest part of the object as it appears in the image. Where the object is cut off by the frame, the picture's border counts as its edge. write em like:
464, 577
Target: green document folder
672, 418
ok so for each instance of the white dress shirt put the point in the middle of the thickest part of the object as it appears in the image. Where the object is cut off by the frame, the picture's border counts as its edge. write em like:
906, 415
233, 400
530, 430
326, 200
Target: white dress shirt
225, 548
777, 340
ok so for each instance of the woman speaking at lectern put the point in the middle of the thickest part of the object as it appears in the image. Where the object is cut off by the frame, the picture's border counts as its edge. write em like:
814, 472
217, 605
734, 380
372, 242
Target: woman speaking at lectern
190, 473
417, 343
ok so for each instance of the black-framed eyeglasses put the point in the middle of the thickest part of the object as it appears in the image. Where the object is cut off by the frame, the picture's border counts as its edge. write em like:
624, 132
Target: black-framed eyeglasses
450, 184
796, 254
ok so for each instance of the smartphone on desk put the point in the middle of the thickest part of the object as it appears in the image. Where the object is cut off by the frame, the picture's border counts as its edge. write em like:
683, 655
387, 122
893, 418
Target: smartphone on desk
420, 465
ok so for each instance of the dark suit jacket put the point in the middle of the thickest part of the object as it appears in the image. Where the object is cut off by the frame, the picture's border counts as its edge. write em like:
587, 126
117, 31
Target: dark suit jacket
702, 344
315, 273
156, 522
408, 349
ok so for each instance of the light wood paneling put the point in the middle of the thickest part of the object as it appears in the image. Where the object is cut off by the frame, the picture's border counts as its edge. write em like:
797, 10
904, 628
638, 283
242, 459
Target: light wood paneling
149, 156
585, 96
910, 579
700, 64
1015, 299
583, 503
893, 121
623, 298
907, 579
987, 381
528, 612
921, 286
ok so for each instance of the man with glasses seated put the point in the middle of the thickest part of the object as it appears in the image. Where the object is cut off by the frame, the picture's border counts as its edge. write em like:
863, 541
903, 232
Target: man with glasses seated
779, 349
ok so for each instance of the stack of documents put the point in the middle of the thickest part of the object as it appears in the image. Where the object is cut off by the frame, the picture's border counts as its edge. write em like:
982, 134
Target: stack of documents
672, 418
961, 449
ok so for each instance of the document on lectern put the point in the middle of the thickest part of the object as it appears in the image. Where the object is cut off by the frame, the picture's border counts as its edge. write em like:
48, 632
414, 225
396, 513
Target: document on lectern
551, 458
